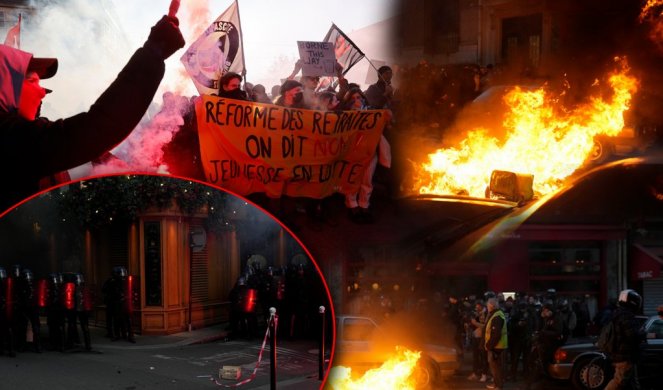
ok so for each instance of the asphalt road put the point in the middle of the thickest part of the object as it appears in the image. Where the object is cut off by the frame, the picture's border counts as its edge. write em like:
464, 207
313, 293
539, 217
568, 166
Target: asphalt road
121, 365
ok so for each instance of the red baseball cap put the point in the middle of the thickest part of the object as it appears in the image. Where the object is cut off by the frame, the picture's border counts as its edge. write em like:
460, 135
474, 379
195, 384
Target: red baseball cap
44, 67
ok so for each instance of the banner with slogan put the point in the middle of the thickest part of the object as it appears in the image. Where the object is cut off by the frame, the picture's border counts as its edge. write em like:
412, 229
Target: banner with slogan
249, 147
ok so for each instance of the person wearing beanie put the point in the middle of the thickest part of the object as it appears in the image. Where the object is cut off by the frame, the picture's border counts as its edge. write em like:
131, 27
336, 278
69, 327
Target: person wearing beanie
292, 95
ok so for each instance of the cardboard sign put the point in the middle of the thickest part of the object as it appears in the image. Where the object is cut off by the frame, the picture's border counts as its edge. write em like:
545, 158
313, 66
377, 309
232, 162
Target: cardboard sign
318, 58
249, 147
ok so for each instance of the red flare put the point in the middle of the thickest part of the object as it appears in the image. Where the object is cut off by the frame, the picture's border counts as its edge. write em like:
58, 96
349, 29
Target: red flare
174, 6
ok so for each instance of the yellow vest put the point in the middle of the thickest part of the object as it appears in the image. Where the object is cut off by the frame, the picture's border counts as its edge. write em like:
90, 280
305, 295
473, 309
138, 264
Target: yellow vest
503, 343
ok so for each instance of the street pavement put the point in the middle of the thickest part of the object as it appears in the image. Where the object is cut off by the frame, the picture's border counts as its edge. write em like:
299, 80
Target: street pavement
460, 381
187, 360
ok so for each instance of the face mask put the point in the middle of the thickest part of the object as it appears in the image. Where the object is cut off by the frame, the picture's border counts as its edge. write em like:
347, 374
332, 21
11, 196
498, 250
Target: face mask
298, 97
237, 94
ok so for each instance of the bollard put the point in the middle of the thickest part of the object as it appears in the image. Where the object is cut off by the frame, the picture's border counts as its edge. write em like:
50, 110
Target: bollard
273, 321
321, 350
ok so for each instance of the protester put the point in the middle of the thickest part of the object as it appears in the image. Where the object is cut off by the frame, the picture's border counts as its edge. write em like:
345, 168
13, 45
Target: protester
549, 339
477, 329
259, 95
379, 95
292, 95
521, 327
229, 87
39, 148
495, 342
628, 341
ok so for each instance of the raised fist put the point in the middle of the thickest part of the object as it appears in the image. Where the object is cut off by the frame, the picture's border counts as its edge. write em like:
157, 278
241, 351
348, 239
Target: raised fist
165, 37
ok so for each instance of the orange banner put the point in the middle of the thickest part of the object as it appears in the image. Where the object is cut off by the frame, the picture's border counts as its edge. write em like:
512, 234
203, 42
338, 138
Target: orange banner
250, 147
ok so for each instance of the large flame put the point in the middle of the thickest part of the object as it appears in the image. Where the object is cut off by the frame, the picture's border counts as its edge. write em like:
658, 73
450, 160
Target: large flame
542, 138
395, 373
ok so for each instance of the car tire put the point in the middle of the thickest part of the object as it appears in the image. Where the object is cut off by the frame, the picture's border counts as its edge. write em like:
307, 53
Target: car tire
427, 373
602, 150
591, 373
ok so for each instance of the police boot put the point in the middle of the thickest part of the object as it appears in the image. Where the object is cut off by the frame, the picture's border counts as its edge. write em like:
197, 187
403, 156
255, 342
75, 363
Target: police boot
36, 343
88, 342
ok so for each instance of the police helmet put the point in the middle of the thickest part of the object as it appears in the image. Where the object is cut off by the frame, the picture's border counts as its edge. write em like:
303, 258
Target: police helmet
16, 271
79, 279
630, 298
27, 275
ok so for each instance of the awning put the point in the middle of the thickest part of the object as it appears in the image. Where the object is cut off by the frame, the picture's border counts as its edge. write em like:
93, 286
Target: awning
646, 262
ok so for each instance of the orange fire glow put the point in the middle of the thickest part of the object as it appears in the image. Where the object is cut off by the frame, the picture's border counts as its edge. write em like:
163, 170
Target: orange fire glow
648, 10
652, 13
542, 138
395, 373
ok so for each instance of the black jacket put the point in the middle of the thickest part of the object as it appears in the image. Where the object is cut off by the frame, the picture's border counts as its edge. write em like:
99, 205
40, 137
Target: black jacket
30, 150
629, 336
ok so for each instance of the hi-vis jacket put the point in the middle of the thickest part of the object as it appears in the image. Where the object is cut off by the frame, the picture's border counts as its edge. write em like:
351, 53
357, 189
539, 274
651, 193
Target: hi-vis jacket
495, 333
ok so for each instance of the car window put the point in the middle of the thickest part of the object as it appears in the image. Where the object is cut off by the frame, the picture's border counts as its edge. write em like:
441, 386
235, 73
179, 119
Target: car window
656, 328
355, 329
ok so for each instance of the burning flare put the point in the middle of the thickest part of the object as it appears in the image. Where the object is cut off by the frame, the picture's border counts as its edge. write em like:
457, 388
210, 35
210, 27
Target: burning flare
395, 373
542, 138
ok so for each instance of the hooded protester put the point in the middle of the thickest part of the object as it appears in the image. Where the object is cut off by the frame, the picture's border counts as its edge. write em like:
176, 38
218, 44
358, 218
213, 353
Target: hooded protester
230, 87
33, 148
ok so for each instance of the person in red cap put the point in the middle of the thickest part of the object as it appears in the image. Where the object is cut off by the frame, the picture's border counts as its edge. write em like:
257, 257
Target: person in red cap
32, 148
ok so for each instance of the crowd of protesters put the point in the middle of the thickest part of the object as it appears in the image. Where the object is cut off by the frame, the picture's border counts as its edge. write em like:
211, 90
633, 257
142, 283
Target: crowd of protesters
532, 324
182, 153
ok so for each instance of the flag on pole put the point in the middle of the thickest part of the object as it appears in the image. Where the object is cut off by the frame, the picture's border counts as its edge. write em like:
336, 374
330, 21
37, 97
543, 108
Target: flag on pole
217, 51
13, 37
347, 53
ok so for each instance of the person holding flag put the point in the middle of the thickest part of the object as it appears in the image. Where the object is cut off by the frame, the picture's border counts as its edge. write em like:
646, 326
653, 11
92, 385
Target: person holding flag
33, 147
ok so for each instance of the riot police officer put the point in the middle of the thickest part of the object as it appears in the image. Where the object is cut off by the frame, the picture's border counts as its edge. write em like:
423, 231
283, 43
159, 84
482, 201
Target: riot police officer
29, 303
6, 339
122, 299
14, 306
243, 299
78, 305
55, 313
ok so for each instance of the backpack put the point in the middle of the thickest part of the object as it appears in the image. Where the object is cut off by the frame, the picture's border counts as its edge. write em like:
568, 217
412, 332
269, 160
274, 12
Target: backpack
607, 340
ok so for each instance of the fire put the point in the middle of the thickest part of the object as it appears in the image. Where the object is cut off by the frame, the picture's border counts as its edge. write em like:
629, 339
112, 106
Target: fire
651, 13
542, 138
395, 373
648, 10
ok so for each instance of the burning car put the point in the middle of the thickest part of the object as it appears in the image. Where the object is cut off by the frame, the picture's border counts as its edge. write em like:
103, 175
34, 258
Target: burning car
528, 130
633, 140
362, 344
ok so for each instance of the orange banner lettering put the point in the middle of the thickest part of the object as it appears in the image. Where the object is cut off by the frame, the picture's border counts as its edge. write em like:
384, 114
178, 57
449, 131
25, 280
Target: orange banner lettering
249, 147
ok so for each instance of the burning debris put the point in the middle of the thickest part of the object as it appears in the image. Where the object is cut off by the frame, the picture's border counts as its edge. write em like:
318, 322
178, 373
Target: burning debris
541, 137
396, 373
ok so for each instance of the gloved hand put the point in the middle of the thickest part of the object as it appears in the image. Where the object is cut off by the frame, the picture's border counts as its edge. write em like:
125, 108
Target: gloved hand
165, 37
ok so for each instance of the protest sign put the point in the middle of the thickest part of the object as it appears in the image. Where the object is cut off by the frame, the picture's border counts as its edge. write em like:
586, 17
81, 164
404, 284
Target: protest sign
249, 147
318, 58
